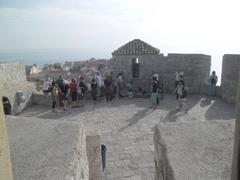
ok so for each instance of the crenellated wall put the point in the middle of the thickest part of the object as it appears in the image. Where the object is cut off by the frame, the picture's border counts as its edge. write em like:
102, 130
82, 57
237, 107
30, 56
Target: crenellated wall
196, 68
230, 72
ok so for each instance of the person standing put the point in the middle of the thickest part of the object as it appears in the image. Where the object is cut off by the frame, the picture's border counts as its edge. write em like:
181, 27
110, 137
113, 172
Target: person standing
108, 88
64, 92
99, 81
82, 89
212, 82
54, 95
130, 89
73, 92
94, 89
46, 86
59, 82
154, 94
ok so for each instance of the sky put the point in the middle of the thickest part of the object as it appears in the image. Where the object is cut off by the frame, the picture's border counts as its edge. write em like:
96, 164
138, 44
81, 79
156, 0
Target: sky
98, 27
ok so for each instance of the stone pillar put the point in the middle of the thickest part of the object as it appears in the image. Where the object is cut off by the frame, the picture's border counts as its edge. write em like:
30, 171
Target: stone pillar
5, 162
236, 153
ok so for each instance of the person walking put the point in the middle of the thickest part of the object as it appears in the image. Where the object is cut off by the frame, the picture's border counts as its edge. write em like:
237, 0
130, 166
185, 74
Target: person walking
181, 95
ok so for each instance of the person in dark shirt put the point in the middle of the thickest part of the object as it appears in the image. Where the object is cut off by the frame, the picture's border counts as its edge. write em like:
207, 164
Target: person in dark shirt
94, 90
82, 89
73, 91
154, 94
108, 88
63, 94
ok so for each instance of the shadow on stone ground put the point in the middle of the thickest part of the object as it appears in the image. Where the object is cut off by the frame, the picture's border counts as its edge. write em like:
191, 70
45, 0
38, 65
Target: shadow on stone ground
173, 115
219, 110
216, 109
137, 117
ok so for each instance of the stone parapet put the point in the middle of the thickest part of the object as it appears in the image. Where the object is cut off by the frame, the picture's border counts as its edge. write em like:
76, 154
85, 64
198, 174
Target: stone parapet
193, 150
5, 161
47, 149
230, 73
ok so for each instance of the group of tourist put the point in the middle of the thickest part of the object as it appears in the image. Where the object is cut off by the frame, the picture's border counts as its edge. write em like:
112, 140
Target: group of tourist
180, 90
61, 90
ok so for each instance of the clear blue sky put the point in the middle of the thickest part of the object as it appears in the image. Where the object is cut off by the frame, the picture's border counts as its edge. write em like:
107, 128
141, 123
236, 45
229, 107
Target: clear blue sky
99, 27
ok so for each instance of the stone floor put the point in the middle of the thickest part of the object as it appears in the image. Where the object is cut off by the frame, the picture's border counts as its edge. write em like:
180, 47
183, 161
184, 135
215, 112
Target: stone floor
127, 125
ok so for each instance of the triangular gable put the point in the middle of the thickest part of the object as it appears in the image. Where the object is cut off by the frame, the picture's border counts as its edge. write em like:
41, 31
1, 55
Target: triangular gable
136, 47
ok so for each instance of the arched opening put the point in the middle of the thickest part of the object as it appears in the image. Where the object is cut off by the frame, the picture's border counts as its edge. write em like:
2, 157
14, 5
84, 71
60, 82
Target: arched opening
6, 106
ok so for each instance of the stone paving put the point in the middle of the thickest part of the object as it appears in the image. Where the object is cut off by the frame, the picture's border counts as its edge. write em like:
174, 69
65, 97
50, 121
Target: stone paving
126, 127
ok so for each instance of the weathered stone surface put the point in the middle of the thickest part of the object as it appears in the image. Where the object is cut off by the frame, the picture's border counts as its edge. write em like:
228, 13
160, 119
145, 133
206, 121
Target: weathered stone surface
47, 149
229, 81
194, 150
236, 155
13, 79
5, 161
94, 154
196, 68
12, 73
127, 125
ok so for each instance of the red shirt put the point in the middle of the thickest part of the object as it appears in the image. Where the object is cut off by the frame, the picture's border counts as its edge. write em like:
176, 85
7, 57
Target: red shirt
73, 87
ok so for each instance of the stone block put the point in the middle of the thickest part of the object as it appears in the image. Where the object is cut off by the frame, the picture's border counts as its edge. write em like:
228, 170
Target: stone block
47, 149
193, 150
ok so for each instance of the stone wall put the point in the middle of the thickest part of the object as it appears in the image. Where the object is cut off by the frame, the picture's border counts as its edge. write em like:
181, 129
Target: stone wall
236, 153
196, 68
13, 79
12, 73
230, 71
5, 162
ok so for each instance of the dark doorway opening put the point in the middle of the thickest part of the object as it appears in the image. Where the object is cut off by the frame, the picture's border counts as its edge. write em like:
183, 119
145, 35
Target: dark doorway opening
6, 106
135, 67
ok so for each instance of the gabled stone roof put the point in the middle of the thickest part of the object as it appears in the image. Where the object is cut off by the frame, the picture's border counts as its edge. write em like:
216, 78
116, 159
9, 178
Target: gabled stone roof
136, 47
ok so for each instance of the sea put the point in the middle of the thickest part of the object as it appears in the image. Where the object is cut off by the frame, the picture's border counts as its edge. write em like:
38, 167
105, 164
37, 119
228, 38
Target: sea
49, 56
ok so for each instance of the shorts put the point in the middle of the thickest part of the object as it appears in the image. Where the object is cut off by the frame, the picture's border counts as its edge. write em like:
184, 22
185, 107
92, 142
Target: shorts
180, 97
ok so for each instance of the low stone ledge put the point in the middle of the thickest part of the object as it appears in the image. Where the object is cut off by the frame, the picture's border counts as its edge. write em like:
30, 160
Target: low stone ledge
93, 141
193, 150
47, 149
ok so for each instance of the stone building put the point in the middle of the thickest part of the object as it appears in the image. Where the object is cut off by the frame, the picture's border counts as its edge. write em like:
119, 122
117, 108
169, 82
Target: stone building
139, 61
